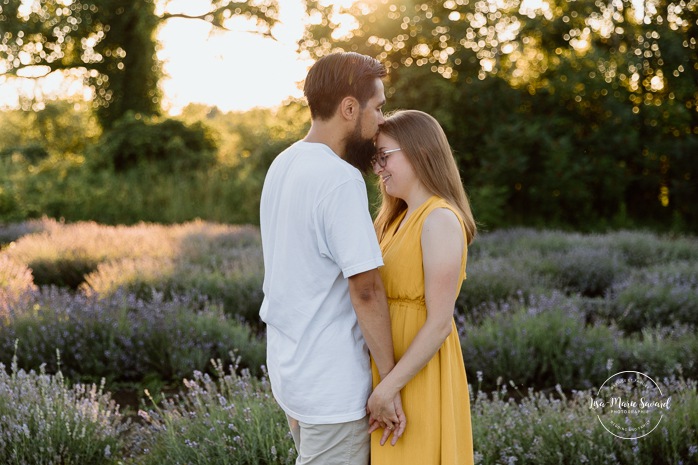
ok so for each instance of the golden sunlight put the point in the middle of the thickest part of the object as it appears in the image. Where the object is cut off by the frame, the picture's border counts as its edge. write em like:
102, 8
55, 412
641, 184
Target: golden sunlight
234, 70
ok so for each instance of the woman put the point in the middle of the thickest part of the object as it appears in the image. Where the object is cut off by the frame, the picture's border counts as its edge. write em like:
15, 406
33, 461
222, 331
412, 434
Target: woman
424, 226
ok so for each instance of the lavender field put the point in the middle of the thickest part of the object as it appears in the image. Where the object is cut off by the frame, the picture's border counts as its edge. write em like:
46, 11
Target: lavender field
141, 344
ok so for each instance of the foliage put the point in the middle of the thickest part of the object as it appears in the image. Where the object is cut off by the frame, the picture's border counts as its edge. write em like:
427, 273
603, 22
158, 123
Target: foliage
63, 256
549, 307
165, 145
233, 278
540, 345
149, 315
583, 270
232, 419
656, 296
576, 114
57, 128
496, 280
156, 170
16, 283
547, 342
546, 429
13, 231
124, 339
45, 421
110, 43
221, 262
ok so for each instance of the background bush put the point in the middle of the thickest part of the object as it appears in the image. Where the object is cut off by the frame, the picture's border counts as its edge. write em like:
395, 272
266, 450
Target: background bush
125, 339
219, 261
547, 342
492, 280
544, 307
16, 284
169, 145
205, 164
659, 295
230, 419
553, 312
540, 345
546, 429
44, 420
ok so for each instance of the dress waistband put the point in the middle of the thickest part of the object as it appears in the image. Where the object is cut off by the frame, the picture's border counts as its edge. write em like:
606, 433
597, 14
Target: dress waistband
407, 301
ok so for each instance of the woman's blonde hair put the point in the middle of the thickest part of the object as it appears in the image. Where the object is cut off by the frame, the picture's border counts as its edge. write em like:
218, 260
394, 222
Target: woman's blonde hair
425, 145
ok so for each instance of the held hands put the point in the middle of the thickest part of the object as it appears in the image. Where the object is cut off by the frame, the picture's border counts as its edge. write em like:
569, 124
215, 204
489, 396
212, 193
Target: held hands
385, 410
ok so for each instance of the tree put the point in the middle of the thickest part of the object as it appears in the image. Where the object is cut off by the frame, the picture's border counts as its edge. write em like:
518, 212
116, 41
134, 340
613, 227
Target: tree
569, 113
111, 42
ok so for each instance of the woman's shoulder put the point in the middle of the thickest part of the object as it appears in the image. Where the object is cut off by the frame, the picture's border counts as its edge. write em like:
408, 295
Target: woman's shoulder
441, 207
442, 216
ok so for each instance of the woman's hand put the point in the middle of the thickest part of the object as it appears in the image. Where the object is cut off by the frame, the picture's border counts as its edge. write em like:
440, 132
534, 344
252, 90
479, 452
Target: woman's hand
385, 410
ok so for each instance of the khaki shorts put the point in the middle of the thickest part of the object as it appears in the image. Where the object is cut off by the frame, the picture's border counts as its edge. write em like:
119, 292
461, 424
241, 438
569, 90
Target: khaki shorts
338, 444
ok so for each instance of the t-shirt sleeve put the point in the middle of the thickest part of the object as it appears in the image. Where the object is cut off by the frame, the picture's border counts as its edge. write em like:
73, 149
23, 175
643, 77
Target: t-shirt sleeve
345, 232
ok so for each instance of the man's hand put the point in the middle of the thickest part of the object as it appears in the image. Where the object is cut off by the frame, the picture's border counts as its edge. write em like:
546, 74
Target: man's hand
385, 409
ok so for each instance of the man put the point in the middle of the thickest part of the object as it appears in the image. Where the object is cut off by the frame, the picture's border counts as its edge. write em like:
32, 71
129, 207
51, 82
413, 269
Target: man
324, 302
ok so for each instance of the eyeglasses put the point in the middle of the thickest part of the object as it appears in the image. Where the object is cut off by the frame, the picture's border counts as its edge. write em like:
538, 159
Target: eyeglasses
382, 157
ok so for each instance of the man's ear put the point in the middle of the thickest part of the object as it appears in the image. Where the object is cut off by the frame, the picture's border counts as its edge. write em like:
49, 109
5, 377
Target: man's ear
349, 108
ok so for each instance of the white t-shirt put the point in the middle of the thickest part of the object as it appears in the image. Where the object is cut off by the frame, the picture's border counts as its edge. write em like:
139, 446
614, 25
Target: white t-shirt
316, 233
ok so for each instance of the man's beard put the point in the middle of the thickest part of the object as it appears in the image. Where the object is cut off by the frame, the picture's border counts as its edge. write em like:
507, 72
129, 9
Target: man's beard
360, 151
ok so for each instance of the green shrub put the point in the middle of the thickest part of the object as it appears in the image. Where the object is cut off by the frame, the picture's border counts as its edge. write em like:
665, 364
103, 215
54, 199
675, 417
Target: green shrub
65, 254
9, 204
641, 249
16, 284
32, 152
515, 242
495, 280
135, 141
227, 268
547, 342
539, 429
572, 262
662, 295
220, 193
230, 420
138, 276
240, 294
125, 339
13, 231
585, 270
44, 421
661, 352
539, 345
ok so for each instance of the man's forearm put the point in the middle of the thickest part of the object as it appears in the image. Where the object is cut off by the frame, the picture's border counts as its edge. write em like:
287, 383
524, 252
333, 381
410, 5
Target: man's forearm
374, 321
371, 306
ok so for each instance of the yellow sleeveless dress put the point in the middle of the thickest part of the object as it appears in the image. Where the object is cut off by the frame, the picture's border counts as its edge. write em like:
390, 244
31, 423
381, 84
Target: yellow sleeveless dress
436, 401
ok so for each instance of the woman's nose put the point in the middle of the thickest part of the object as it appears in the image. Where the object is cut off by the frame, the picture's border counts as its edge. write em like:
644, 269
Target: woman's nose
376, 167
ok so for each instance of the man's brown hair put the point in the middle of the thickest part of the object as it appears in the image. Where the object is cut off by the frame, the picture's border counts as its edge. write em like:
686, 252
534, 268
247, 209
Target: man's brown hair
340, 75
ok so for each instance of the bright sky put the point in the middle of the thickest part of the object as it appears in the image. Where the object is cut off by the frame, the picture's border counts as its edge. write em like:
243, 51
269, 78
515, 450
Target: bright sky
234, 70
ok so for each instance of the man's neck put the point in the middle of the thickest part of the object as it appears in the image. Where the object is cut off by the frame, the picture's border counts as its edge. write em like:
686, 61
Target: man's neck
328, 133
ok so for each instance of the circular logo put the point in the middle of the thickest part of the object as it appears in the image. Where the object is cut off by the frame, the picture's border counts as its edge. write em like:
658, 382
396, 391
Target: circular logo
630, 405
